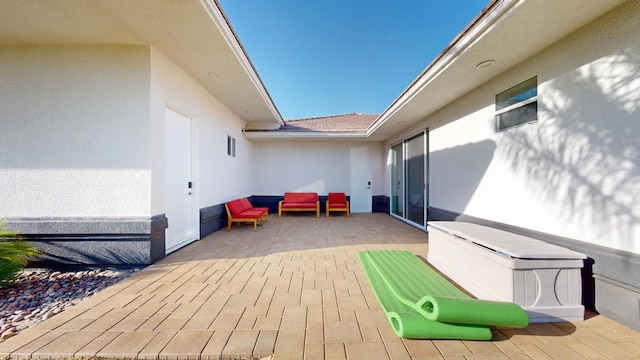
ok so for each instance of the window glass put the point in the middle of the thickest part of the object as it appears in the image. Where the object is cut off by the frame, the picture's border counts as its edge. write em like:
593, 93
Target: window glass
397, 180
521, 92
409, 179
231, 146
518, 104
416, 186
517, 116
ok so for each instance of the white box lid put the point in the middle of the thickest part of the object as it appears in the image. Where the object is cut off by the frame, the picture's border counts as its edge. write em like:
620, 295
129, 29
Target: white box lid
506, 243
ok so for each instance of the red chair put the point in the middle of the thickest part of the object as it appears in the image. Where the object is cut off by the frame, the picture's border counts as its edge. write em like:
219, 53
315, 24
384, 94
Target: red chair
337, 202
241, 210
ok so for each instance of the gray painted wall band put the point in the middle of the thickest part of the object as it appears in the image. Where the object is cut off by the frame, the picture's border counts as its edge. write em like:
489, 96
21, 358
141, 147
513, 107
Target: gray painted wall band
87, 225
94, 241
212, 213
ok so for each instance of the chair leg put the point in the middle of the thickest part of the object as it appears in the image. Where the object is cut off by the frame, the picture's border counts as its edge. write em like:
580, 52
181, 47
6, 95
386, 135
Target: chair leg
229, 225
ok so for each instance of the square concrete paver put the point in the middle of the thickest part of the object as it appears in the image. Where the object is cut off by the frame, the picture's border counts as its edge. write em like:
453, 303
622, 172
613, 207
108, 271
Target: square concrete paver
293, 289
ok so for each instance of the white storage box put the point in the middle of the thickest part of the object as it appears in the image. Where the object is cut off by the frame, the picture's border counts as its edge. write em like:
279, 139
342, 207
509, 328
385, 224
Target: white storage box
544, 279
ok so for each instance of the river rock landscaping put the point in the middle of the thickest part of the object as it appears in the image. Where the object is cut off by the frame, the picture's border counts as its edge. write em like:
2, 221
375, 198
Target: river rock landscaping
38, 294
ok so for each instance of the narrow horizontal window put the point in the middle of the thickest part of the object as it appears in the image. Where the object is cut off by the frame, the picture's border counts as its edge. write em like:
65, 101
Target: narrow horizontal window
517, 105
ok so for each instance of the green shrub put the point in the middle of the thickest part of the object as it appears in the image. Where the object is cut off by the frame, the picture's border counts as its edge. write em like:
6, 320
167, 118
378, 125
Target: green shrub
15, 253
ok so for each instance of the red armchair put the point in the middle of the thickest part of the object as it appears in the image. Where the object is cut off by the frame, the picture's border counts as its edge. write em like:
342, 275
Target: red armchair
337, 202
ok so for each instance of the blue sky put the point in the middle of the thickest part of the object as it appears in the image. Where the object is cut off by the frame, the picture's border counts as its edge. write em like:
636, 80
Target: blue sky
330, 57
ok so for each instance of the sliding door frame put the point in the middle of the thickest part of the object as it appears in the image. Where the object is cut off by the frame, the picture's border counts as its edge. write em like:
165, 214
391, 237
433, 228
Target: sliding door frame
403, 201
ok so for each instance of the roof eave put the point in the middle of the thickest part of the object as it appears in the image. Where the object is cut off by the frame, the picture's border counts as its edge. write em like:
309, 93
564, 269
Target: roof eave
324, 135
501, 33
223, 24
471, 33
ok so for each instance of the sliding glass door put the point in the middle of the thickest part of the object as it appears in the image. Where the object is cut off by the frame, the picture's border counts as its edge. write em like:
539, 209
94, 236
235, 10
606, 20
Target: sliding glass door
397, 180
409, 179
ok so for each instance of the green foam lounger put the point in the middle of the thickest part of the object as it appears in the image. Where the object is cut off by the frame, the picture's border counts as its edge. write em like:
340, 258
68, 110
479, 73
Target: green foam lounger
411, 325
407, 322
472, 311
406, 286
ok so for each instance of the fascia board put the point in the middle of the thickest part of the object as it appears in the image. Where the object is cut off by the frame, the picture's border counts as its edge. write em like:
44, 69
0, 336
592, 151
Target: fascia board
220, 21
443, 62
303, 135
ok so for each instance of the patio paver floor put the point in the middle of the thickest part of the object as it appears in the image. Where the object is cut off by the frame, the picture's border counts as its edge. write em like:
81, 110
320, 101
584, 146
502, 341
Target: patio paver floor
294, 289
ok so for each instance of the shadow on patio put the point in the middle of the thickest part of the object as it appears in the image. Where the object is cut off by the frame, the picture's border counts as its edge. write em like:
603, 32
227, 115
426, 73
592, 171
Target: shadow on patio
294, 289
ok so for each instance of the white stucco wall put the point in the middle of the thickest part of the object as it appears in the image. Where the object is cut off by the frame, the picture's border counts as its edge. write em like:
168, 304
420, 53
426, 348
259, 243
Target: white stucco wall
217, 177
378, 160
317, 166
87, 133
576, 172
75, 137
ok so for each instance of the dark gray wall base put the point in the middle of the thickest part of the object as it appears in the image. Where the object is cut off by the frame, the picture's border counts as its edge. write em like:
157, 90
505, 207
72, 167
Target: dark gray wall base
623, 300
271, 201
94, 241
212, 219
268, 201
380, 203
610, 281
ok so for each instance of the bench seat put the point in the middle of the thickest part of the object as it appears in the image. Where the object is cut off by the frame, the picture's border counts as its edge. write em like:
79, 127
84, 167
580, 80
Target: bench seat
298, 205
299, 201
241, 210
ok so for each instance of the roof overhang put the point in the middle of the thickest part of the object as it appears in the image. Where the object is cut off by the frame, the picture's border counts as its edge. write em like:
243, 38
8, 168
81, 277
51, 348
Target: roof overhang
506, 32
306, 135
194, 34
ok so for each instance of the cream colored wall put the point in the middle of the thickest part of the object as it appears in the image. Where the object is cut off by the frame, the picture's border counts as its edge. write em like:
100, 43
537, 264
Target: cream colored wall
576, 172
317, 166
75, 137
217, 177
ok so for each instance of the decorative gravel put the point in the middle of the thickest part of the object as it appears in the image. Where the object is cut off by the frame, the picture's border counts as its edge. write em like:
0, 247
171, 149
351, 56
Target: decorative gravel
38, 294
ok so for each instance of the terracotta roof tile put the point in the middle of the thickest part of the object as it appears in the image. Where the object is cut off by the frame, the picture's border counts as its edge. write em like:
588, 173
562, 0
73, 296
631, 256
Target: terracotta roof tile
348, 122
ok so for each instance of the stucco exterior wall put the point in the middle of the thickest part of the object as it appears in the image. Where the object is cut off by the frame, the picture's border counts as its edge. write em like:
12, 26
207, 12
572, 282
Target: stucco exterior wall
576, 172
321, 167
217, 177
378, 159
75, 139
84, 158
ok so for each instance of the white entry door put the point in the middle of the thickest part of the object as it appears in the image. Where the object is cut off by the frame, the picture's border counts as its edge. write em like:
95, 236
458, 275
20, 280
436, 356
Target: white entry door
360, 166
178, 183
